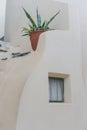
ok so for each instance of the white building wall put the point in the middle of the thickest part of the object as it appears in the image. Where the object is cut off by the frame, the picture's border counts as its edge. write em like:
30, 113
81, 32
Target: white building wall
83, 25
35, 112
2, 17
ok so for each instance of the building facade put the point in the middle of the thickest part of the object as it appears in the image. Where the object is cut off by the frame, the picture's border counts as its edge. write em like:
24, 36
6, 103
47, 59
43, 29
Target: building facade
61, 54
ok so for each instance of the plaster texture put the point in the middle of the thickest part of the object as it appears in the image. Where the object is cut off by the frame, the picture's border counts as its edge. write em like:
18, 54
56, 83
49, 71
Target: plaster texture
24, 94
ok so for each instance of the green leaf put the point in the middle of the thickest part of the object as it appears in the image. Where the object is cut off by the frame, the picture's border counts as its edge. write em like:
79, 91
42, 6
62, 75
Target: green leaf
30, 26
52, 18
30, 18
44, 23
38, 18
25, 34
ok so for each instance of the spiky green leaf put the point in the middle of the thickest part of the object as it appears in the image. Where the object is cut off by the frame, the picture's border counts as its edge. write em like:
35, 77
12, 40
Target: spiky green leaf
30, 18
52, 18
38, 18
44, 23
25, 34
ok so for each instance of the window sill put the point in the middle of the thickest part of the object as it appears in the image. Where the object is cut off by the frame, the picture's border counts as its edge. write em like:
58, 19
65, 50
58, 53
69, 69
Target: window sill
60, 103
56, 101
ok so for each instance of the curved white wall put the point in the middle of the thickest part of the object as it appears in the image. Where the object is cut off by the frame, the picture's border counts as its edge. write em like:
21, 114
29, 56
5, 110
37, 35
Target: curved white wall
13, 75
71, 61
35, 111
64, 56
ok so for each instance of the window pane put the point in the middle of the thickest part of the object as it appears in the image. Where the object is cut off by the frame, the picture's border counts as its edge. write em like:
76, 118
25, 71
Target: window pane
56, 89
53, 90
60, 90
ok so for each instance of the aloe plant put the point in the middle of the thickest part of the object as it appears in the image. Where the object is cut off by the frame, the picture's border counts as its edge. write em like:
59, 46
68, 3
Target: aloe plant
39, 25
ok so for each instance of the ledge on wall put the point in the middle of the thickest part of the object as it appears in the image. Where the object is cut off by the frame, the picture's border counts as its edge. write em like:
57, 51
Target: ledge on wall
47, 9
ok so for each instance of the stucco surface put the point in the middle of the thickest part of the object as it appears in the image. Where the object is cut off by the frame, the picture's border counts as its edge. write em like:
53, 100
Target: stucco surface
13, 76
64, 52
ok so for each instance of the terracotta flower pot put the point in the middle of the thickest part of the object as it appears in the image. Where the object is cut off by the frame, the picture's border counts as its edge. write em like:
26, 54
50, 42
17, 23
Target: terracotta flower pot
34, 37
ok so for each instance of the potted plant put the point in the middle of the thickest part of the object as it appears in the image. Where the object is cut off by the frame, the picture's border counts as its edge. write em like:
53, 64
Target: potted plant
36, 28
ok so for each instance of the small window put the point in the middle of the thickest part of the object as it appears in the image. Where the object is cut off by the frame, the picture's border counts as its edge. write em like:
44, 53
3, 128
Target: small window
56, 89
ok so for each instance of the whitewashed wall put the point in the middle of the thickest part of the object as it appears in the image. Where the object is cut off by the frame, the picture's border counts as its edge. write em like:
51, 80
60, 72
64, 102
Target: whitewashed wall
83, 25
62, 54
2, 17
35, 111
69, 47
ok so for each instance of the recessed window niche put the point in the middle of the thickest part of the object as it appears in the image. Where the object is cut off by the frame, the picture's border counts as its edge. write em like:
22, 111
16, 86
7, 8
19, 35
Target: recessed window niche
59, 82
